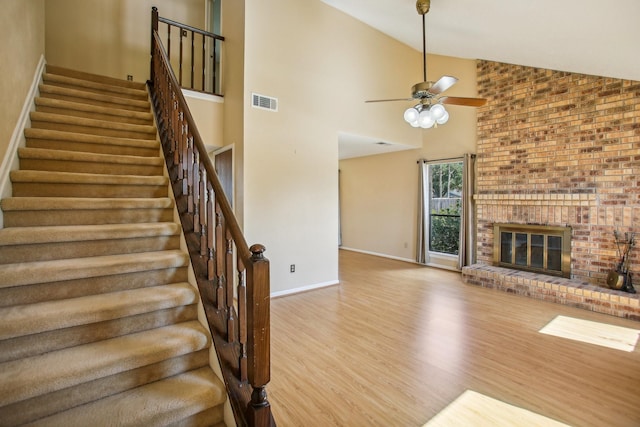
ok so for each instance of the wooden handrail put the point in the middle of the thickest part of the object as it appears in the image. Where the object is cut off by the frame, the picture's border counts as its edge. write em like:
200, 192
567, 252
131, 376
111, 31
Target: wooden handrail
233, 278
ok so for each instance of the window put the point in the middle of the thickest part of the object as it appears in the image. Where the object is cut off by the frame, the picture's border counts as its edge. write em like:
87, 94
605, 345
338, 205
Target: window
445, 207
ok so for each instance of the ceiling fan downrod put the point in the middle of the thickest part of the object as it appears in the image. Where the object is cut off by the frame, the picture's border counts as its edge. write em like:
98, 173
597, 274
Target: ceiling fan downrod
423, 7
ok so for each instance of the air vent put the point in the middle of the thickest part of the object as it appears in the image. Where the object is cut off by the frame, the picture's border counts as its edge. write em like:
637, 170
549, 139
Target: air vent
264, 102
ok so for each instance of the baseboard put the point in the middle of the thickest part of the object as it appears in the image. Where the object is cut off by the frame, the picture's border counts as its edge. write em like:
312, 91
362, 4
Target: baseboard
10, 161
304, 288
379, 254
429, 264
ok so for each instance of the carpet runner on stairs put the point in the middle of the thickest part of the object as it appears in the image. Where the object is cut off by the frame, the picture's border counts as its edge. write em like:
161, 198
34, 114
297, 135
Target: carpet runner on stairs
99, 323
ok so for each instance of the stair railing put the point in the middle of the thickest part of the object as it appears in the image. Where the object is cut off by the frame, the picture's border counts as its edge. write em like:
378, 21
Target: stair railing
198, 56
232, 277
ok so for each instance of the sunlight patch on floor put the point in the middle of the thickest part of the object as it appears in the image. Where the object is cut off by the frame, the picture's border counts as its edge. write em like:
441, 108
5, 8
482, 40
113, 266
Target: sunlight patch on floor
475, 409
597, 333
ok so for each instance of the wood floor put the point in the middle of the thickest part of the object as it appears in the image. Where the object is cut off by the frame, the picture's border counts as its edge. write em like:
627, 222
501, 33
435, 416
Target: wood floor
395, 342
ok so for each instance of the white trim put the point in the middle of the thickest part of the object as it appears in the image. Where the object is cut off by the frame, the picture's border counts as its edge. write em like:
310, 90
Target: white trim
412, 261
304, 288
203, 96
11, 160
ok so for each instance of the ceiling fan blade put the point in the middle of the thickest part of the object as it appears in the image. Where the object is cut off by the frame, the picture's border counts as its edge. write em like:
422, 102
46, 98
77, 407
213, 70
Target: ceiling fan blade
467, 102
389, 100
444, 83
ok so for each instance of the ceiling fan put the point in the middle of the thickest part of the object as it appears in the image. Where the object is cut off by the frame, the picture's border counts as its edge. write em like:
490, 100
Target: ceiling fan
430, 110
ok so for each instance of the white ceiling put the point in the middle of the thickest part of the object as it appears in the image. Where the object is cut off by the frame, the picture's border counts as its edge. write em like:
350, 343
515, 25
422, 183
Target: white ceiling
581, 36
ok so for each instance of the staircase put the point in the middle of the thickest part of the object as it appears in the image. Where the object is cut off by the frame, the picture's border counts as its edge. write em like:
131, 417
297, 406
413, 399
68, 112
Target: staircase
99, 325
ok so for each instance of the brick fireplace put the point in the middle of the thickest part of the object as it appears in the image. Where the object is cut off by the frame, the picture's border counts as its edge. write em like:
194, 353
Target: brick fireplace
559, 149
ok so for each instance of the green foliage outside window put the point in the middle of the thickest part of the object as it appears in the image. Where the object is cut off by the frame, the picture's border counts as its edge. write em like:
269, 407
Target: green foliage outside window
445, 231
445, 202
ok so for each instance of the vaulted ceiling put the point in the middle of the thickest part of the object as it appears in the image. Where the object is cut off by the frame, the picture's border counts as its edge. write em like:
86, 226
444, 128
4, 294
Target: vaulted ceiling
583, 36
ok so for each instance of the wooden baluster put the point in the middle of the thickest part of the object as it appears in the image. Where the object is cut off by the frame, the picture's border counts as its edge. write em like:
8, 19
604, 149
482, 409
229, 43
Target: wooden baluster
242, 320
180, 60
175, 134
180, 152
177, 130
228, 268
193, 61
186, 158
173, 154
214, 89
193, 158
203, 209
219, 259
155, 58
210, 237
204, 60
169, 41
196, 193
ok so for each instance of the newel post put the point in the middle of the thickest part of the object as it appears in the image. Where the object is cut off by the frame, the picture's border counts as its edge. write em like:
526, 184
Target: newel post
258, 349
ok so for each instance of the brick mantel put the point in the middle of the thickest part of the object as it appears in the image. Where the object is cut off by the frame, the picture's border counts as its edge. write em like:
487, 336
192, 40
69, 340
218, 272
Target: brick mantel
563, 149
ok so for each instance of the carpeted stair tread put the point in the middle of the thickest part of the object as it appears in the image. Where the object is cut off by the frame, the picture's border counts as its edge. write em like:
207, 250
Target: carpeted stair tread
33, 376
160, 403
83, 203
124, 92
101, 323
62, 71
70, 106
75, 233
145, 131
51, 242
20, 274
53, 211
19, 176
31, 319
76, 156
57, 135
125, 103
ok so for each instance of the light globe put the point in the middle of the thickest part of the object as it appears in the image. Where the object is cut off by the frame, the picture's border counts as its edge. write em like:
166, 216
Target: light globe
411, 115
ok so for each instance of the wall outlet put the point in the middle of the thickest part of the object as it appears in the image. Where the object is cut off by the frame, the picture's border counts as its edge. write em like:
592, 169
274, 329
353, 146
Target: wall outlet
292, 268
129, 77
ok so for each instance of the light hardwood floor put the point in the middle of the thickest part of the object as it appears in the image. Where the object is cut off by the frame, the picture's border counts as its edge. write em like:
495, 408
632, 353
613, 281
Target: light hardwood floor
395, 342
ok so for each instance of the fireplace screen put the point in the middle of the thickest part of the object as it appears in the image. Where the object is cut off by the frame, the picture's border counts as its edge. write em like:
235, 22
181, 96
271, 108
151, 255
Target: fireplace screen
537, 248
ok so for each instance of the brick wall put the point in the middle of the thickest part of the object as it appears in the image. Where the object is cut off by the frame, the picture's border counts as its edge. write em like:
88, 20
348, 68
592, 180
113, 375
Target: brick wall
560, 148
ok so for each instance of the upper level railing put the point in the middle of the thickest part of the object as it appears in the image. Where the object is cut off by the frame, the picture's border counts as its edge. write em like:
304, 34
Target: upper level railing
233, 278
194, 55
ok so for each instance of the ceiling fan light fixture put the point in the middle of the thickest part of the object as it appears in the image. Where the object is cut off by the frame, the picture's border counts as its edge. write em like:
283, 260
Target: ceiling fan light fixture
411, 115
425, 119
444, 119
437, 111
430, 111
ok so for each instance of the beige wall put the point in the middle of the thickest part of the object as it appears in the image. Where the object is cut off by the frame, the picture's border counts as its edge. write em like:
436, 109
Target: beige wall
22, 23
207, 111
379, 193
233, 87
321, 65
110, 38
